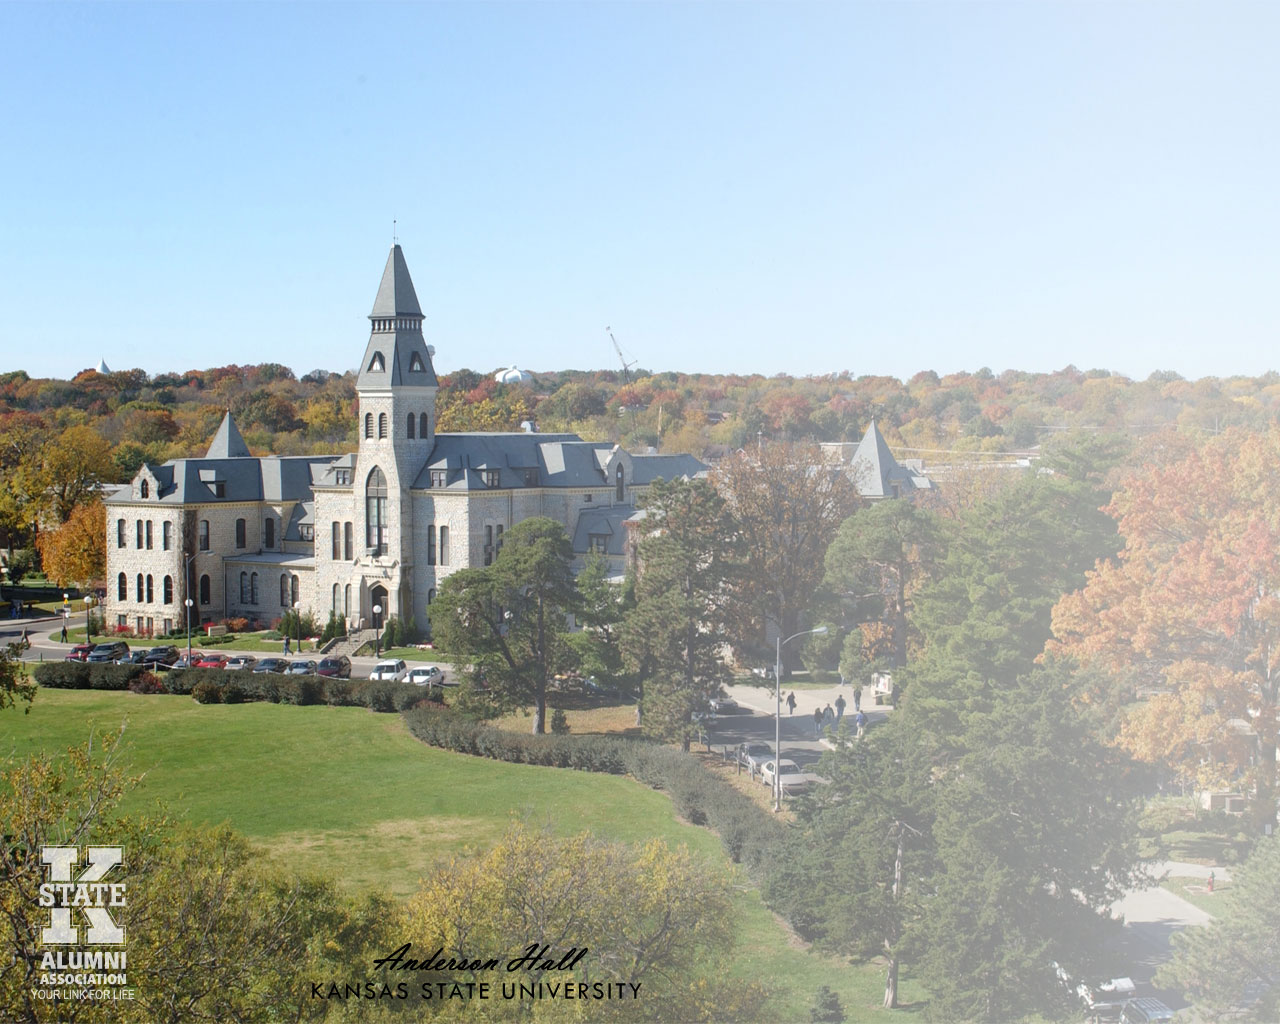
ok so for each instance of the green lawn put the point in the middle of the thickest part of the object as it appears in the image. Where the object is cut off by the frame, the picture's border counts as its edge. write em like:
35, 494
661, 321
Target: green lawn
352, 793
1195, 890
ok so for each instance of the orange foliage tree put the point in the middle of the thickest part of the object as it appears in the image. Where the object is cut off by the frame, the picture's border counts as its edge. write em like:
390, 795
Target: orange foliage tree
76, 552
1191, 611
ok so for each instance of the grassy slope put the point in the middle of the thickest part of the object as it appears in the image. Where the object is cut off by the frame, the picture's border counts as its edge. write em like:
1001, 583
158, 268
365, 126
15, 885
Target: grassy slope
352, 793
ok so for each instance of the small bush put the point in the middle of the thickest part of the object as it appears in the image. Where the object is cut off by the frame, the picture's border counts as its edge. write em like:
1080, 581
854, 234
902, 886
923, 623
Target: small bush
206, 692
559, 722
147, 682
236, 625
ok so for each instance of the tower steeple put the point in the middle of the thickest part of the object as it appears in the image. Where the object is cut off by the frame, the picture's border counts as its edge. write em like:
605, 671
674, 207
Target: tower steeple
396, 354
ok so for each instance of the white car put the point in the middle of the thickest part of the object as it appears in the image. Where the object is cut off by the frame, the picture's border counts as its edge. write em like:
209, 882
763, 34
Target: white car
243, 662
754, 754
427, 675
392, 671
789, 775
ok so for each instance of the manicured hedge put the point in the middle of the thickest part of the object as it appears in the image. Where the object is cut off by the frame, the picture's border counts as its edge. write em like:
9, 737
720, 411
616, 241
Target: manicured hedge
240, 686
750, 835
80, 675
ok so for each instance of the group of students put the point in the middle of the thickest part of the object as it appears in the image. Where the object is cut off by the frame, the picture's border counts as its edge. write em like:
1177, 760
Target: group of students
831, 717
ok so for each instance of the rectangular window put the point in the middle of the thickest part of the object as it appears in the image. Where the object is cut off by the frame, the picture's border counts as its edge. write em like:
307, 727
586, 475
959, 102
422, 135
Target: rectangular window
119, 533
491, 477
240, 533
497, 539
598, 543
337, 541
431, 545
307, 532
148, 534
438, 477
138, 524
219, 488
488, 545
444, 545
166, 536
348, 541
204, 535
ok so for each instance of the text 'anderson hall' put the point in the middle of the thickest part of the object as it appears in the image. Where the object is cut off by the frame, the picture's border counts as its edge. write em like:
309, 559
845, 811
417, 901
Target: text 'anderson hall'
253, 537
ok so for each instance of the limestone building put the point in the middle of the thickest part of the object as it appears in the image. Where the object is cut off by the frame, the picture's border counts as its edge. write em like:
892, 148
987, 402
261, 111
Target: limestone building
251, 537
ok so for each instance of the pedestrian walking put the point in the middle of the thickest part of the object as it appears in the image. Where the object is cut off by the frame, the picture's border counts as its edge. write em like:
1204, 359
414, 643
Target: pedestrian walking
861, 722
817, 721
857, 698
26, 638
286, 645
841, 704
64, 632
828, 716
791, 703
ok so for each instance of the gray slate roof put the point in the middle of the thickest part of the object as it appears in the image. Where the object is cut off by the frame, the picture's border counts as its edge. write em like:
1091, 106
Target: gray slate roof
396, 295
602, 522
398, 357
876, 470
228, 443
193, 481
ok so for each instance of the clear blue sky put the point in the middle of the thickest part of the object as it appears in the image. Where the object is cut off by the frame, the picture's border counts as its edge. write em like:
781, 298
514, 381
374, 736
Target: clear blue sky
790, 187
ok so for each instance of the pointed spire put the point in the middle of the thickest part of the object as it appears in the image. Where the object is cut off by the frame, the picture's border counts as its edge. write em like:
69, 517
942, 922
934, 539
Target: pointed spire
396, 296
873, 462
227, 442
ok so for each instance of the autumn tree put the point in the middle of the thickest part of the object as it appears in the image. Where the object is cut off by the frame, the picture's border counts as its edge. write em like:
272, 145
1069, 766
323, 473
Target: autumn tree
74, 465
690, 556
76, 552
509, 619
1191, 610
788, 505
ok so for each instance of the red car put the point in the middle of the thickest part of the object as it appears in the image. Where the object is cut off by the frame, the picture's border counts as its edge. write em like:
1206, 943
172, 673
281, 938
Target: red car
211, 661
80, 652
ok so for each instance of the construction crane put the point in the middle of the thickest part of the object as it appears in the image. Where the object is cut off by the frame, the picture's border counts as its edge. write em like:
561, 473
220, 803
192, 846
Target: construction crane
626, 366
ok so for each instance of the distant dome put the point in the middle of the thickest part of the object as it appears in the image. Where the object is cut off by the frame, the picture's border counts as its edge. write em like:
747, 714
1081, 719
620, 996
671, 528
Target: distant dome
103, 367
514, 375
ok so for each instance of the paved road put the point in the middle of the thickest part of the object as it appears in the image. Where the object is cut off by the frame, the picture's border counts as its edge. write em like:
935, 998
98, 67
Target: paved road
44, 649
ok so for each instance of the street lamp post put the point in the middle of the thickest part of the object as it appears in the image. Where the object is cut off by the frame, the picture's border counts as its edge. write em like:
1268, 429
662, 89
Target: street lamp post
88, 632
377, 631
297, 623
189, 603
777, 715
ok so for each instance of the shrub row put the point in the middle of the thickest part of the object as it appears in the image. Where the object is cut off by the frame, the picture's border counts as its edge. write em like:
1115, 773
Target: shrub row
79, 675
218, 686
750, 835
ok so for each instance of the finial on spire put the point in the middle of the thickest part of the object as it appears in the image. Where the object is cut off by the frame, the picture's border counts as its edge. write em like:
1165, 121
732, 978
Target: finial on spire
395, 240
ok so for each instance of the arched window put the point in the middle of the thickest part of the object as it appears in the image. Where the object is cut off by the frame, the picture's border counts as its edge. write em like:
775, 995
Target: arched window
269, 533
138, 587
204, 589
336, 592
346, 600
368, 424
145, 489
375, 511
284, 590
620, 483
122, 586
151, 589
431, 595
244, 588
253, 588
444, 545
166, 535
293, 588
119, 533
337, 541
410, 428
240, 533
382, 426
168, 590
377, 364
415, 364
424, 426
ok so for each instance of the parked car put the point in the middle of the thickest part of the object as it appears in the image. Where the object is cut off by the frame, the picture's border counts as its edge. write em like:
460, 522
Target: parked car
211, 661
720, 705
80, 652
753, 755
243, 662
426, 675
1145, 1010
302, 668
189, 662
395, 671
335, 668
138, 657
108, 652
161, 657
271, 665
790, 777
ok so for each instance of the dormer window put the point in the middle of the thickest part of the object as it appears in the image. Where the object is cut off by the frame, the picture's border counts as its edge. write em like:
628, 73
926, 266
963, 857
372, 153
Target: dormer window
219, 488
377, 364
145, 489
491, 477
437, 477
415, 364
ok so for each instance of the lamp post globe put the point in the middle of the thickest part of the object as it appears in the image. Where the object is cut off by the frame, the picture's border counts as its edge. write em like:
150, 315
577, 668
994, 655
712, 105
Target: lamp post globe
190, 604
88, 603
